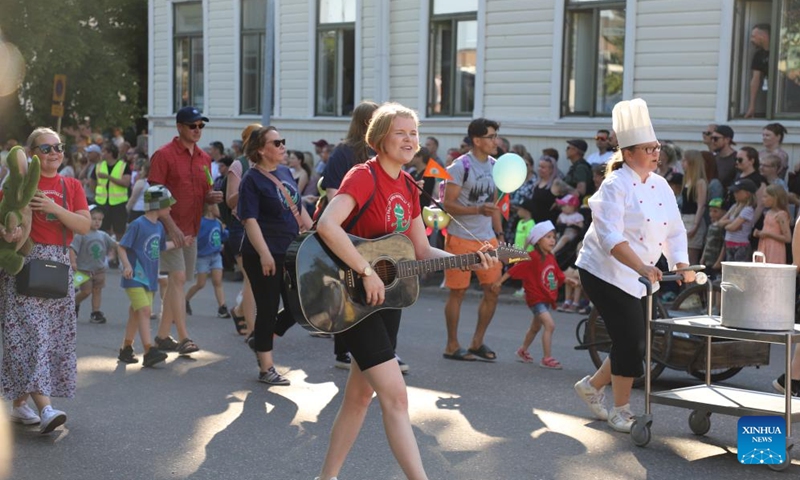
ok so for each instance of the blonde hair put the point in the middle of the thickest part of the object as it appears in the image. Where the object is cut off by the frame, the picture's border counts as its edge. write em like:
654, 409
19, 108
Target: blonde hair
781, 197
615, 163
695, 171
737, 207
248, 130
382, 122
41, 131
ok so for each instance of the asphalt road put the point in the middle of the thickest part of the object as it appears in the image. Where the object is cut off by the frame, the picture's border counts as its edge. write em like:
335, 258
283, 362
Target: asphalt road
206, 417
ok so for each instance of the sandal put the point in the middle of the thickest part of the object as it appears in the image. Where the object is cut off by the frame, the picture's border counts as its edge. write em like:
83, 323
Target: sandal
484, 353
187, 346
241, 325
550, 362
523, 356
166, 344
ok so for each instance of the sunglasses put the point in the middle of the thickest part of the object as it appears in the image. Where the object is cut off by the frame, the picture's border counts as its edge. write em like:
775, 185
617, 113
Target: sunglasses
45, 148
601, 139
739, 159
279, 142
716, 139
707, 134
195, 126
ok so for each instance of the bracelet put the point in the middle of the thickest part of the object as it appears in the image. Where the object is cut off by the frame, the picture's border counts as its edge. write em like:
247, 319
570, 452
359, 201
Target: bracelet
499, 234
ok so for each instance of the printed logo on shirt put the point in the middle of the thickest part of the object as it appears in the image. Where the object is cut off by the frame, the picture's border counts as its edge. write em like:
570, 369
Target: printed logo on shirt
549, 277
96, 250
292, 191
483, 188
398, 214
215, 238
152, 247
56, 197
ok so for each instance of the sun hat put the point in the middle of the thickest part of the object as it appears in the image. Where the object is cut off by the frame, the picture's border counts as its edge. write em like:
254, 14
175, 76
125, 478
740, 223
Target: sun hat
540, 230
158, 197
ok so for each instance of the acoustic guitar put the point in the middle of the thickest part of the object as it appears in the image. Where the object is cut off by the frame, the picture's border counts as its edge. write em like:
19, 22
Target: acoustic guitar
326, 295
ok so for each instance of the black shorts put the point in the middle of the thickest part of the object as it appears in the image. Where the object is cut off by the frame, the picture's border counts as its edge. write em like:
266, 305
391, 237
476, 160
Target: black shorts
116, 218
374, 340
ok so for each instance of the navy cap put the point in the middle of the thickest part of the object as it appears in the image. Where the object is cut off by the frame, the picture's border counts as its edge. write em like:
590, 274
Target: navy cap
189, 115
744, 184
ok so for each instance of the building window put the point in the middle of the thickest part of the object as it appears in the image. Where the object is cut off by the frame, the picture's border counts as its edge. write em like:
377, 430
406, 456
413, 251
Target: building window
594, 53
254, 21
336, 46
453, 57
188, 47
765, 75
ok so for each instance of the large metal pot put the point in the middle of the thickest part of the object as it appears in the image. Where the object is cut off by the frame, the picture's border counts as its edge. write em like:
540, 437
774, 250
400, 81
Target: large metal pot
758, 295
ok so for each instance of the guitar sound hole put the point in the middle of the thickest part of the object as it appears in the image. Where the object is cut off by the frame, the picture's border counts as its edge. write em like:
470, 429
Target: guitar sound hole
386, 270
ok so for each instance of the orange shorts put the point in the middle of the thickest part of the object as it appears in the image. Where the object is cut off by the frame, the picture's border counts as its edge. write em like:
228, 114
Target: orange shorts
456, 279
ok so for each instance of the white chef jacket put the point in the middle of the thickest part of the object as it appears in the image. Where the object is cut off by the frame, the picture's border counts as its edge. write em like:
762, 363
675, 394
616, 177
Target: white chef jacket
644, 214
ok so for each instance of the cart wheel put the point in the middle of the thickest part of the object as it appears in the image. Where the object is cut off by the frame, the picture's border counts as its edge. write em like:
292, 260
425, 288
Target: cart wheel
783, 465
640, 432
700, 422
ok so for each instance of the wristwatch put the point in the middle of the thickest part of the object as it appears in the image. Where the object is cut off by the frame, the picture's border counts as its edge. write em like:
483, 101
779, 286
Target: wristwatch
367, 272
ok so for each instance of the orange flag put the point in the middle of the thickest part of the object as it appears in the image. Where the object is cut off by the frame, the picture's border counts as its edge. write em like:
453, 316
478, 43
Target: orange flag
435, 170
505, 205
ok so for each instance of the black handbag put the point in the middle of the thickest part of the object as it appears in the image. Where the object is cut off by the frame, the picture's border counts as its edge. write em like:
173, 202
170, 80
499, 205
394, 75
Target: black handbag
46, 278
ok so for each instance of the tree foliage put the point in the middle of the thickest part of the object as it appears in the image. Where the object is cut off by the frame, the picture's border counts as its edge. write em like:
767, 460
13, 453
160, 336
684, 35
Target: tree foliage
100, 45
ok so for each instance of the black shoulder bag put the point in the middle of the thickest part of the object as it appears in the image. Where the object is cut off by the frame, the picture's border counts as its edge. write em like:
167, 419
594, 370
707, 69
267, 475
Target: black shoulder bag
46, 278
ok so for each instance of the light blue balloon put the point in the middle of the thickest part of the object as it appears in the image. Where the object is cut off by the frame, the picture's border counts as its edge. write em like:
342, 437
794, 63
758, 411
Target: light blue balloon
509, 172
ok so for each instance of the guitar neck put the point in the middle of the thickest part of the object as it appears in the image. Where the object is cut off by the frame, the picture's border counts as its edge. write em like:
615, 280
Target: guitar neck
412, 268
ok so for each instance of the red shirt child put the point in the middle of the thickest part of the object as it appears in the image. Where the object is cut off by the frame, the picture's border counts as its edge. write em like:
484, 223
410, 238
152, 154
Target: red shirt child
540, 277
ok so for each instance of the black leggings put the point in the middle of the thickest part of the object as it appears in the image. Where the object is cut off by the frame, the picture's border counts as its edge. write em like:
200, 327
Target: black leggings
624, 317
268, 291
374, 340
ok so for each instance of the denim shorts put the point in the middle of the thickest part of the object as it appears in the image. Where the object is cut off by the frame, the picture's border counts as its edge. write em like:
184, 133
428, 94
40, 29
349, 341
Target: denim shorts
539, 308
207, 263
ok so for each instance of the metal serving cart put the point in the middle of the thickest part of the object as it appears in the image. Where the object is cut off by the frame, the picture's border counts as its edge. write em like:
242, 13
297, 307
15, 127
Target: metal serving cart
706, 399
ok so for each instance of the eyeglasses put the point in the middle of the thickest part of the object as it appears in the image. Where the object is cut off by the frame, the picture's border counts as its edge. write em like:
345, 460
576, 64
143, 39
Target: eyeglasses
651, 150
601, 139
278, 143
716, 139
739, 159
45, 148
490, 137
195, 126
707, 134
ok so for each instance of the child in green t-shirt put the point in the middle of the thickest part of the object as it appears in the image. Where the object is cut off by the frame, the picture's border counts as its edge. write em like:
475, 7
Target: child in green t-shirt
524, 226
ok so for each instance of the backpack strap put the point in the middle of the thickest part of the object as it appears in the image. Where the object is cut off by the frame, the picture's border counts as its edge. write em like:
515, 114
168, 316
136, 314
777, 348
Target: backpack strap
352, 223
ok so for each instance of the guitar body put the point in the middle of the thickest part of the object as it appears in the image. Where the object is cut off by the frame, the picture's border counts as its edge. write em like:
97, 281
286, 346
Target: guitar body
326, 295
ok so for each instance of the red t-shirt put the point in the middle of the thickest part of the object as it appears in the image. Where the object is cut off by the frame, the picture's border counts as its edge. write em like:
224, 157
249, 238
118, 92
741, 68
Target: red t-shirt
49, 231
394, 205
183, 174
540, 278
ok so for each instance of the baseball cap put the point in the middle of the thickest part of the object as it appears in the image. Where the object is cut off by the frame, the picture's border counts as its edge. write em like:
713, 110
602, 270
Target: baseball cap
320, 143
158, 197
579, 144
715, 202
744, 184
93, 148
569, 199
725, 131
189, 115
540, 230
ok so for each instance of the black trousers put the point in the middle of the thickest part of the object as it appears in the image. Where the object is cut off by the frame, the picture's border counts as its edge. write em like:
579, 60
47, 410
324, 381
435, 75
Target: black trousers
624, 317
268, 291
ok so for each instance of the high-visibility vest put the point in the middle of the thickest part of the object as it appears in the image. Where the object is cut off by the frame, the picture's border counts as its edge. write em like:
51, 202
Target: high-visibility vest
108, 190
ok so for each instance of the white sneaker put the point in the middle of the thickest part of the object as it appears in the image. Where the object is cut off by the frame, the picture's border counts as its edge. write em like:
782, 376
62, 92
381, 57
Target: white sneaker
24, 415
51, 419
595, 399
621, 418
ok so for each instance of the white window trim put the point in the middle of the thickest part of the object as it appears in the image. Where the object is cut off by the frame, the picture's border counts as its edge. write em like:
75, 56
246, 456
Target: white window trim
724, 65
424, 58
357, 61
237, 54
480, 61
312, 58
382, 50
171, 33
276, 58
558, 60
628, 65
151, 62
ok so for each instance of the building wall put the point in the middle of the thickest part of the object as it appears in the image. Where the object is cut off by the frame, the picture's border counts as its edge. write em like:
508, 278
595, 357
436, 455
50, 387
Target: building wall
677, 64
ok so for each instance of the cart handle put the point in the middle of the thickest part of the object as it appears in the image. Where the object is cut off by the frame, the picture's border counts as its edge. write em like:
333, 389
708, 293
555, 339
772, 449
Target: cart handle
667, 277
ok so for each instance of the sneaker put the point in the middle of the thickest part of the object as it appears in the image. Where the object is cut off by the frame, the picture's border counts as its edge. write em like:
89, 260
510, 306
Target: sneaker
403, 365
595, 399
520, 293
222, 312
188, 308
153, 356
779, 384
342, 361
273, 378
166, 344
126, 355
24, 415
563, 306
621, 418
97, 317
51, 419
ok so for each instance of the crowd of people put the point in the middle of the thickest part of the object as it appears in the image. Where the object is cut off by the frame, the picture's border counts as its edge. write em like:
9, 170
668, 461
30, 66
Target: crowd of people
636, 206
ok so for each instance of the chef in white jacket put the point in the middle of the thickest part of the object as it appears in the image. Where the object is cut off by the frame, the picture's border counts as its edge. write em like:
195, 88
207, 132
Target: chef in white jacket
635, 219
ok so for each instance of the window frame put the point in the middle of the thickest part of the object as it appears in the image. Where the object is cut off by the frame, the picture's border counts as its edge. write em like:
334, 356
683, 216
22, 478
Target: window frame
740, 39
595, 6
433, 27
261, 33
177, 38
340, 29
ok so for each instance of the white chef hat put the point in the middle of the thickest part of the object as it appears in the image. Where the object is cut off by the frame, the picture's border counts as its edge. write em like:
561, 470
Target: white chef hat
631, 122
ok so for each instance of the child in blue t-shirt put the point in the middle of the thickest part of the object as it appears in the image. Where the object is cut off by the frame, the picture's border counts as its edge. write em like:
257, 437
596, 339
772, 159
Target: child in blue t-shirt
209, 260
139, 251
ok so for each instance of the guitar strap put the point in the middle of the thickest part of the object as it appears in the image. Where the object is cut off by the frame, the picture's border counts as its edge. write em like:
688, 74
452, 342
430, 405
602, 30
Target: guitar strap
438, 204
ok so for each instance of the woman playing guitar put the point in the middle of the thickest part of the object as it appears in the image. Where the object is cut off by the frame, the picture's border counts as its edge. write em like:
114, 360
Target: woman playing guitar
394, 208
